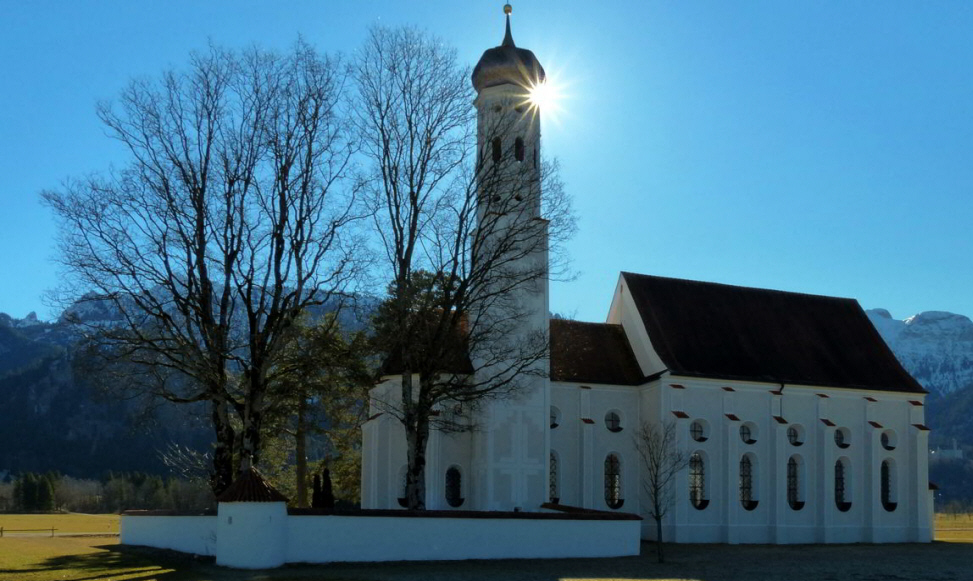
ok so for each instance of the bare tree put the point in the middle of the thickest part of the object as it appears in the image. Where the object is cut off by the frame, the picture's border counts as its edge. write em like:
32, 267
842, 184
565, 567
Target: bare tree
462, 238
228, 221
663, 459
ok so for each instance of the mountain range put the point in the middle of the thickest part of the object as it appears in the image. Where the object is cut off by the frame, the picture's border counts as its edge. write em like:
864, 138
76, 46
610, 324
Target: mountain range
50, 418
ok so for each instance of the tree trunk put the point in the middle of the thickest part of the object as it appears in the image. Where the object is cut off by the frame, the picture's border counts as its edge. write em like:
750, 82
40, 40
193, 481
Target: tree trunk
223, 469
300, 445
658, 539
253, 414
417, 434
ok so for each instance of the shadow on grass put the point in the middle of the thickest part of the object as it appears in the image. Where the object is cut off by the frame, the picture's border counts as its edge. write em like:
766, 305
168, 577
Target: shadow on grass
119, 561
698, 562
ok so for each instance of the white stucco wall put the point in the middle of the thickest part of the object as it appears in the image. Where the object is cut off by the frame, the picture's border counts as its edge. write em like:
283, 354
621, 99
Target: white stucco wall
818, 412
251, 535
187, 534
583, 441
263, 535
324, 539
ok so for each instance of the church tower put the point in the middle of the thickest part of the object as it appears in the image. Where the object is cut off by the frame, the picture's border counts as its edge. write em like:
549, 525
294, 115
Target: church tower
511, 446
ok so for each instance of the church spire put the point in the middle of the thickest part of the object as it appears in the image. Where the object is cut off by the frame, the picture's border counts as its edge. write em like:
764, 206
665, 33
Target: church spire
507, 64
508, 39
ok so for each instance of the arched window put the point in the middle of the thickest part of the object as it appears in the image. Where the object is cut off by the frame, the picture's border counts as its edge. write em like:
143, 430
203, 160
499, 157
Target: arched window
535, 157
613, 482
613, 421
454, 487
888, 493
554, 494
842, 492
747, 497
697, 481
497, 152
794, 497
555, 417
519, 149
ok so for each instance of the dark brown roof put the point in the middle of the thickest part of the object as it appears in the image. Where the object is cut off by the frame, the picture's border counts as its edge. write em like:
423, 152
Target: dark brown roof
455, 358
592, 353
459, 363
251, 486
715, 330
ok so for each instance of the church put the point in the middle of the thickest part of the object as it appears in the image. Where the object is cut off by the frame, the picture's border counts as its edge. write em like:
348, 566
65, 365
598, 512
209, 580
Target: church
798, 423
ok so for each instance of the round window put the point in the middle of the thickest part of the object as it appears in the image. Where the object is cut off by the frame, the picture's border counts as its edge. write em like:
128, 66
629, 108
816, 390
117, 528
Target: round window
699, 431
842, 438
613, 421
748, 433
888, 440
795, 435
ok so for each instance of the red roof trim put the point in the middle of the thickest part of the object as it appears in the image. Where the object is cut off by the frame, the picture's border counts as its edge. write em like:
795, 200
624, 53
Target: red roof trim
921, 427
827, 422
780, 420
584, 386
824, 395
915, 402
732, 417
932, 486
871, 399
588, 420
874, 424
677, 386
777, 391
372, 417
728, 389
680, 414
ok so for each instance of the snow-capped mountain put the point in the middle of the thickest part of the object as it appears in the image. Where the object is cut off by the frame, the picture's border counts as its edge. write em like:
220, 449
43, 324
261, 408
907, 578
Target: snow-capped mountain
934, 346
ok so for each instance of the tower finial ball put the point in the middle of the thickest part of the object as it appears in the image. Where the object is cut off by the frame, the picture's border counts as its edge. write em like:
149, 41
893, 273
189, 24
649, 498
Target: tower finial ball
507, 9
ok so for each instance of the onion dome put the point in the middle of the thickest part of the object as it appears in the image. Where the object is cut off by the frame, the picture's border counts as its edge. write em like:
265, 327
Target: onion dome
507, 64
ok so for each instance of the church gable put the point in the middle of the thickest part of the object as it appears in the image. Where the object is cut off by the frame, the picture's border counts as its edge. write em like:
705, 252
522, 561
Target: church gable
714, 330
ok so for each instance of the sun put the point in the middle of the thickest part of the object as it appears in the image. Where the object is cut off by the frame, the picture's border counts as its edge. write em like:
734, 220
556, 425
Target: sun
544, 96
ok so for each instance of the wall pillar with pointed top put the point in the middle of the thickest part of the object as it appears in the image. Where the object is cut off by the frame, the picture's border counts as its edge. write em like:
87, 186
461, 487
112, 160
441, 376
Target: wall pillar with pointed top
251, 529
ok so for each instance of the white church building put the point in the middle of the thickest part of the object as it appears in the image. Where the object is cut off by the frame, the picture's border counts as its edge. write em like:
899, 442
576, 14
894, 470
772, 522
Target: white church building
799, 423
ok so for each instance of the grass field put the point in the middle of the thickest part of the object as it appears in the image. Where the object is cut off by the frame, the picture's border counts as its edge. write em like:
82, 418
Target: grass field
101, 558
64, 523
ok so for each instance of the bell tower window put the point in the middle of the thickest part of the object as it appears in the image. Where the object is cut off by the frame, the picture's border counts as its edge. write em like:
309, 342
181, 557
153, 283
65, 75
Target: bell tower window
519, 149
496, 149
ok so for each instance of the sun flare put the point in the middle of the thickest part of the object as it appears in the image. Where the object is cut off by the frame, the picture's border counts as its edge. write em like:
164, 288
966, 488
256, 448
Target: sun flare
544, 96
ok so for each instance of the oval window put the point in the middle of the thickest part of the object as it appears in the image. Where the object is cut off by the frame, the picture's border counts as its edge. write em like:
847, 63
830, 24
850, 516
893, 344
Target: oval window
699, 431
748, 433
613, 421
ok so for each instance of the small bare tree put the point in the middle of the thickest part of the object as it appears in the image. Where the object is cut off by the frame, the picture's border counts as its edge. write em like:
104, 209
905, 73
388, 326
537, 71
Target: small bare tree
662, 459
229, 220
462, 235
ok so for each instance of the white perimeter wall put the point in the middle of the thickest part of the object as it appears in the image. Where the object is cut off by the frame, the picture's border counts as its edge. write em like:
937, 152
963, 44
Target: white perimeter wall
186, 534
326, 539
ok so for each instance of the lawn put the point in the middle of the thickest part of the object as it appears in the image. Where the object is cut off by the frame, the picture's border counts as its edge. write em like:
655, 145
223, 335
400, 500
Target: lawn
86, 558
64, 523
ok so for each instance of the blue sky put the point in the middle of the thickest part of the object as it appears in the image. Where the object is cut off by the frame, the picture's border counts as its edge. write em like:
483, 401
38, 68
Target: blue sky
821, 147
